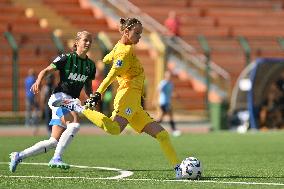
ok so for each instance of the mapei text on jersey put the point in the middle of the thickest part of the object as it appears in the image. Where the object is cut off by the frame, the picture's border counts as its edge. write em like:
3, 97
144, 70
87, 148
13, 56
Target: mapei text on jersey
77, 77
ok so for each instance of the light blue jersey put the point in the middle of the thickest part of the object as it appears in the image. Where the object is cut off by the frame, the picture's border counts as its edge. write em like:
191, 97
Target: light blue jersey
165, 89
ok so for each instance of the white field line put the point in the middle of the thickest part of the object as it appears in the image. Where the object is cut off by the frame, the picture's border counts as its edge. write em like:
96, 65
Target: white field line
124, 174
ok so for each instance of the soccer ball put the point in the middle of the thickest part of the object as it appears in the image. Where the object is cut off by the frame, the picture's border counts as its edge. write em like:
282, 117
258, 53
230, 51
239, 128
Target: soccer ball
191, 168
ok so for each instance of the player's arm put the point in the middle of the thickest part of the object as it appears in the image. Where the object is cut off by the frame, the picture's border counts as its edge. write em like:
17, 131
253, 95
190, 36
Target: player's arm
36, 86
96, 98
107, 81
108, 58
111, 75
57, 64
119, 67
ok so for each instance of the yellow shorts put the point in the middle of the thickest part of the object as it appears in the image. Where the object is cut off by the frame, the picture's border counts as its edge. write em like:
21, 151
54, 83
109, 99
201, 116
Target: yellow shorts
127, 104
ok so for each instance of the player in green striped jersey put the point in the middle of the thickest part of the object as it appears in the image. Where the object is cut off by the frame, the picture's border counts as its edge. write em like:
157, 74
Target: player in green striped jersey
76, 71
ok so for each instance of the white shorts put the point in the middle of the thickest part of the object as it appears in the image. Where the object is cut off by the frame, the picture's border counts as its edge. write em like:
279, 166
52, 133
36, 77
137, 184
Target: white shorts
57, 112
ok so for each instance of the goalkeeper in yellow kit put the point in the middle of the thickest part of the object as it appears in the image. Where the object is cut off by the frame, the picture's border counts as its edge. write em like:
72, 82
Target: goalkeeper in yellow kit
129, 73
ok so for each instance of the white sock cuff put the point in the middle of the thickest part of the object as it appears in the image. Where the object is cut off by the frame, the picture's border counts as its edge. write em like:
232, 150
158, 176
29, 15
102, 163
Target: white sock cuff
74, 125
73, 128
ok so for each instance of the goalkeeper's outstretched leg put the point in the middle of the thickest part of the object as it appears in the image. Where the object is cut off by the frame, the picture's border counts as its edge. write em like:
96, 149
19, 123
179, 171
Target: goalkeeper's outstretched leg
110, 126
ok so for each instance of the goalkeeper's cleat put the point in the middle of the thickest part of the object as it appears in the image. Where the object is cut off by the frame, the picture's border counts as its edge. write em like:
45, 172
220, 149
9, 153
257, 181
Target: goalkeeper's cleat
71, 104
178, 171
14, 161
58, 163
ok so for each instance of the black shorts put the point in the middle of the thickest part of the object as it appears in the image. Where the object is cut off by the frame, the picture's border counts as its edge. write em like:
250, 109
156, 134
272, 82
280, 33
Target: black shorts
165, 108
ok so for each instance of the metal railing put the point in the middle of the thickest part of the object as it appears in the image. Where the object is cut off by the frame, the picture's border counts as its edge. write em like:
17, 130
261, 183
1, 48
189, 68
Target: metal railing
15, 70
58, 43
246, 48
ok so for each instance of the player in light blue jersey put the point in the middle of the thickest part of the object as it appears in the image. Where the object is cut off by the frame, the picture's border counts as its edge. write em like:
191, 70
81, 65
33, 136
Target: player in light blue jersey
165, 90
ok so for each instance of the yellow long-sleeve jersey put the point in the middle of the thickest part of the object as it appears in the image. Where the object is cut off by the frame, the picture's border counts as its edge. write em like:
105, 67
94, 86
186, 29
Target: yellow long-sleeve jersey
126, 68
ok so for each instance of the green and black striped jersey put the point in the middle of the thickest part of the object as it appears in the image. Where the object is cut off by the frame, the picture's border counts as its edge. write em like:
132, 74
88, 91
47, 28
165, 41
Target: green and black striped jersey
74, 73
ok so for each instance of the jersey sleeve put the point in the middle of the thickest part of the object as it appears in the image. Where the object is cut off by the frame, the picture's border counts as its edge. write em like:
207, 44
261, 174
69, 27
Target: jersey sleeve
59, 61
108, 58
120, 66
107, 81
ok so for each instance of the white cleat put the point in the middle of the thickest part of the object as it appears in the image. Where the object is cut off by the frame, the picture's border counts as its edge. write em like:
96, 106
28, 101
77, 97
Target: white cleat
58, 163
14, 161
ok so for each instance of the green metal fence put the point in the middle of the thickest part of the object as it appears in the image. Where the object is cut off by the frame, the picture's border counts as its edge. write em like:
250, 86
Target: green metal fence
15, 69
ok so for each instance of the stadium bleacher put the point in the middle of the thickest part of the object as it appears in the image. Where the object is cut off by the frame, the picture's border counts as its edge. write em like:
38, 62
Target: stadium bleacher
220, 21
35, 49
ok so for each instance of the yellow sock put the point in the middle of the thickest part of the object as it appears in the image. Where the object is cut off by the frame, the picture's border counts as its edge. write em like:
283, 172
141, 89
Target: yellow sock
167, 147
102, 121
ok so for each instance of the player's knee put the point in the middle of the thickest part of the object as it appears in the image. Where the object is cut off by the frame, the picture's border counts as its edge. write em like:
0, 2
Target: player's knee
162, 136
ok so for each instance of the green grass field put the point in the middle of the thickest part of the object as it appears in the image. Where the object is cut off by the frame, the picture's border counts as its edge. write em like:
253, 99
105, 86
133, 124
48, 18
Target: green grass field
230, 160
